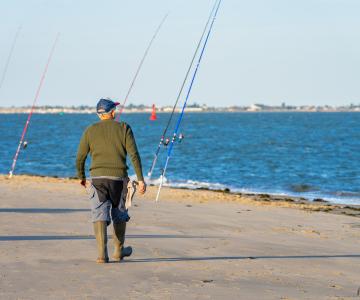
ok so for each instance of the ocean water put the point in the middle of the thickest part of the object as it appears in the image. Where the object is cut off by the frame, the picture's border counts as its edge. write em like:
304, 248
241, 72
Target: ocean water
313, 155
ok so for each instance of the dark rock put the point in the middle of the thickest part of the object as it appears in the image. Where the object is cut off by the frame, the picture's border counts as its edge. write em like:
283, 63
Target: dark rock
207, 281
319, 200
352, 208
289, 200
264, 196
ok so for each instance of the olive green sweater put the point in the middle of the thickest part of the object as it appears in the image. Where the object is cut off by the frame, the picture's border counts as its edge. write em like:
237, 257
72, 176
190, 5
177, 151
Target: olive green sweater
108, 143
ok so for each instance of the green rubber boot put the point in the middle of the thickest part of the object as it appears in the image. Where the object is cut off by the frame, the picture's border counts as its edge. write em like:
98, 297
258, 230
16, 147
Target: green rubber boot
119, 238
101, 240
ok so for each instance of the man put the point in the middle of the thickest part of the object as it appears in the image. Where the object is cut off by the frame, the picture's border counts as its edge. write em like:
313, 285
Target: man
109, 142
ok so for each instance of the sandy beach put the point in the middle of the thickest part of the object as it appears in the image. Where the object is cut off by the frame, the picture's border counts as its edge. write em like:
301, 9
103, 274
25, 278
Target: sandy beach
190, 245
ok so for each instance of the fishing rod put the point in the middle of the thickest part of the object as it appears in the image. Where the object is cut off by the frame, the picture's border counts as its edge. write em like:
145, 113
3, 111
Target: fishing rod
9, 57
140, 65
184, 106
156, 155
33, 106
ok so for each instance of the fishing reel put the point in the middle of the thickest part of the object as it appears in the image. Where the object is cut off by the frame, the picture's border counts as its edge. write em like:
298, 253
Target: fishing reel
166, 142
24, 145
174, 139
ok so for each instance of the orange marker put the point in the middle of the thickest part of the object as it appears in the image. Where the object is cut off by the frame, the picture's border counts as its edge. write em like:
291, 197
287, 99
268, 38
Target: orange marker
153, 113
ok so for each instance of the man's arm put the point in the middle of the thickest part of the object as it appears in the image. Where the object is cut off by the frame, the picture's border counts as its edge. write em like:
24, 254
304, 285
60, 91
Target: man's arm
133, 152
82, 153
131, 149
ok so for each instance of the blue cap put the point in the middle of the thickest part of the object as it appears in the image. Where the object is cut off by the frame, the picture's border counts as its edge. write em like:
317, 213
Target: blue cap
105, 106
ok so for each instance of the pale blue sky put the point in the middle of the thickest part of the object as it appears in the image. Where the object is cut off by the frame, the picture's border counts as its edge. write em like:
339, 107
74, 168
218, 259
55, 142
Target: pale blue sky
267, 51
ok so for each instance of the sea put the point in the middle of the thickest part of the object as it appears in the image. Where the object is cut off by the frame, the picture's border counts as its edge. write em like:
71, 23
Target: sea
310, 155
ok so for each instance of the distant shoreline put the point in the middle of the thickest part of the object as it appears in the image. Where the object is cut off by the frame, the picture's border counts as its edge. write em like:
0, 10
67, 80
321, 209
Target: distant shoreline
196, 108
75, 112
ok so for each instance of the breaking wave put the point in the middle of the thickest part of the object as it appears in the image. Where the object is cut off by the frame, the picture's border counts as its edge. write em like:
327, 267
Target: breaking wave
309, 193
187, 184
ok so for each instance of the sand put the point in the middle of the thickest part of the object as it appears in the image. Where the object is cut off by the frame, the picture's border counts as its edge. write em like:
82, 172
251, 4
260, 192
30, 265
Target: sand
190, 245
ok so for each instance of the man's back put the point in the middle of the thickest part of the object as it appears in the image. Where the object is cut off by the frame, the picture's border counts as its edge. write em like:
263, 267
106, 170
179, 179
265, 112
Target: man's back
108, 143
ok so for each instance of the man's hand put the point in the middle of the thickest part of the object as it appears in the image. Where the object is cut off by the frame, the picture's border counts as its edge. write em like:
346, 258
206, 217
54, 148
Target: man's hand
142, 187
83, 182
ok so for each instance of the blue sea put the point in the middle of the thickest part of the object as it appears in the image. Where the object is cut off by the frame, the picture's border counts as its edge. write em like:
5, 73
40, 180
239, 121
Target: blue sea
312, 155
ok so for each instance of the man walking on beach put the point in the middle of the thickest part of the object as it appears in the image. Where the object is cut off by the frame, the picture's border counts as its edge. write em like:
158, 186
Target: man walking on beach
109, 142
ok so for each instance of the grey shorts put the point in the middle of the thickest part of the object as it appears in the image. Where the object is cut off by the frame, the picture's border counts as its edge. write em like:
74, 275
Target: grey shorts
107, 200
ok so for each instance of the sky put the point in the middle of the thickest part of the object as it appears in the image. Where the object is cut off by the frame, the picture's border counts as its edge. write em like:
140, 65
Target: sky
261, 51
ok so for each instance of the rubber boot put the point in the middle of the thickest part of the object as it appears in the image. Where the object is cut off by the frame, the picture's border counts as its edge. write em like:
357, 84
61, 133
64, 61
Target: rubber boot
101, 240
119, 238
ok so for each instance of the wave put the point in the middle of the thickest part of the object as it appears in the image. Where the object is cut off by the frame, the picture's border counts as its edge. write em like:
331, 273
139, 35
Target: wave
307, 192
346, 194
188, 184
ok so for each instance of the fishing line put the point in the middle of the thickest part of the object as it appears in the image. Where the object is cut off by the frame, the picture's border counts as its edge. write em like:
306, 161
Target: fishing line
33, 106
179, 95
140, 65
184, 106
9, 56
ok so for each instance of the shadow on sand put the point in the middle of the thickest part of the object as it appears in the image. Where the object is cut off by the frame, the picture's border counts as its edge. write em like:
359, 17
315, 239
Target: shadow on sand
42, 210
221, 258
172, 259
11, 238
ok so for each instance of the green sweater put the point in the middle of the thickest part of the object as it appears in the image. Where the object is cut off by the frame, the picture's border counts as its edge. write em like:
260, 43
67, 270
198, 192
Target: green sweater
108, 143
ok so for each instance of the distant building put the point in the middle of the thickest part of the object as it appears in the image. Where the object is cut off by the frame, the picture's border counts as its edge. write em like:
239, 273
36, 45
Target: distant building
254, 107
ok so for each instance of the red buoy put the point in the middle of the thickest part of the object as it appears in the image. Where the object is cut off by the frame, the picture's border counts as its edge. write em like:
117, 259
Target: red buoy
153, 113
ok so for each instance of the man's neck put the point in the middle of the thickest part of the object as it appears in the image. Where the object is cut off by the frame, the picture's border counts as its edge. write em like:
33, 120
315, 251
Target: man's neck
106, 118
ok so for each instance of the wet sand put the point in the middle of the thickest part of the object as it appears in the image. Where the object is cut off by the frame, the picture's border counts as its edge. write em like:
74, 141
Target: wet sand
190, 245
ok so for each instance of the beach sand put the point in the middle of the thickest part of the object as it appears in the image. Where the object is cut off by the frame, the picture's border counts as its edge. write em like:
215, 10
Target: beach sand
190, 245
